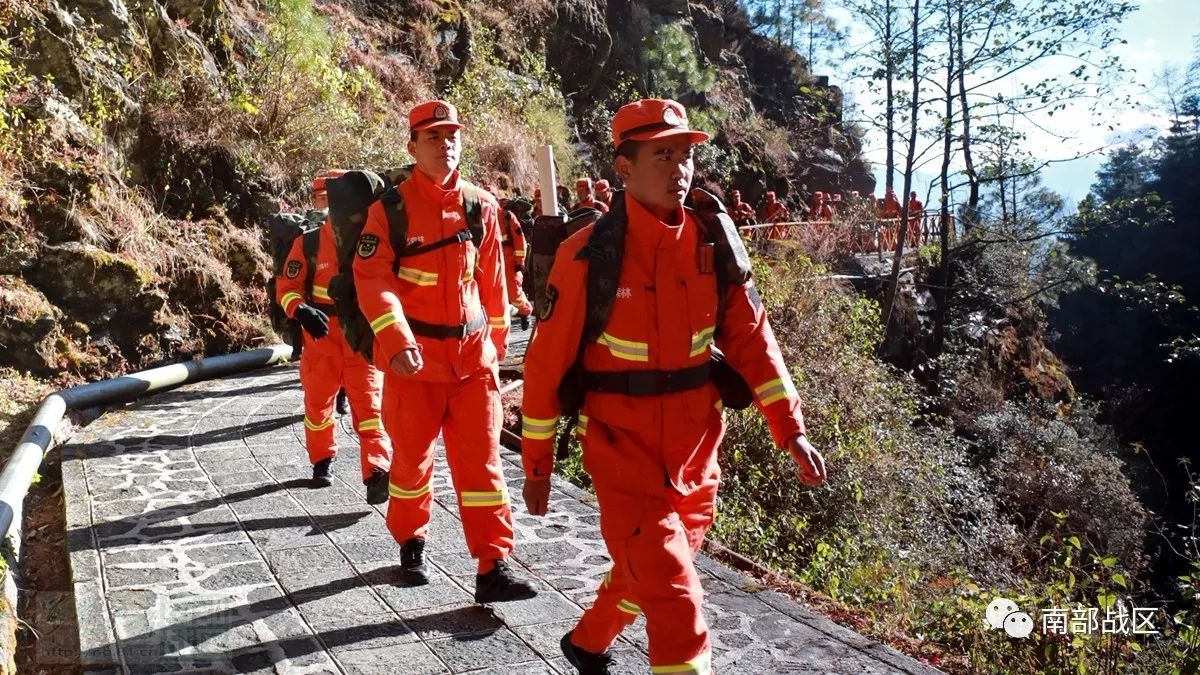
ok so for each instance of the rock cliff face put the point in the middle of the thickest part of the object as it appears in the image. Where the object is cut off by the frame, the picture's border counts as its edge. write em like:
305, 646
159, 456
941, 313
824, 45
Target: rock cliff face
135, 134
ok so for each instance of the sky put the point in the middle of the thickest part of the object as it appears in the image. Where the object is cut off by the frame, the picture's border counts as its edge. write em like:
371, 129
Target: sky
1159, 34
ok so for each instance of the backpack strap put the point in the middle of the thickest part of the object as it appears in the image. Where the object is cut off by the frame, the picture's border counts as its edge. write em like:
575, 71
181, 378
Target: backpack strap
717, 228
312, 242
397, 215
473, 208
604, 252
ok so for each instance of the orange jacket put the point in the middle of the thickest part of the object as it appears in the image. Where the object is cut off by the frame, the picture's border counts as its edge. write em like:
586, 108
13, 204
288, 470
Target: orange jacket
741, 211
592, 203
512, 237
662, 319
775, 212
448, 286
289, 288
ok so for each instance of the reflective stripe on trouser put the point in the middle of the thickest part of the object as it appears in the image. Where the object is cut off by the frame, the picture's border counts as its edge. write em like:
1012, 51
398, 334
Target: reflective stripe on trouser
468, 415
652, 540
327, 365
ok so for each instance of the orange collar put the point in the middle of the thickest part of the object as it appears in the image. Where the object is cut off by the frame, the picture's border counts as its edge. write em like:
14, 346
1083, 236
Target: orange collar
430, 190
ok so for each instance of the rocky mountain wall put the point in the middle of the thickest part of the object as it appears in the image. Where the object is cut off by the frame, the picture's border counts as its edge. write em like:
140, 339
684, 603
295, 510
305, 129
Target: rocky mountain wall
144, 140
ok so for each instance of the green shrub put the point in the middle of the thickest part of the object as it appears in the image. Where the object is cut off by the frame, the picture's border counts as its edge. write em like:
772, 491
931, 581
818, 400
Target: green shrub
509, 115
672, 64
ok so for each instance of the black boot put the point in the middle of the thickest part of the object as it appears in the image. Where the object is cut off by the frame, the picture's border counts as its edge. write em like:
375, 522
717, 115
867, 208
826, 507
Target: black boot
321, 476
377, 487
412, 563
584, 661
524, 322
342, 405
502, 584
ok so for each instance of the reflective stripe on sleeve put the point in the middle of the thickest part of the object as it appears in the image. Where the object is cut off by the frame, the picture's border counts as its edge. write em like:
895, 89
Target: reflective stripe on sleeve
288, 298
382, 322
775, 390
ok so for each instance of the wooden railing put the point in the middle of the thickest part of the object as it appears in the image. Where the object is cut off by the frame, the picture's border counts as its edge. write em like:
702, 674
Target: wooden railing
857, 235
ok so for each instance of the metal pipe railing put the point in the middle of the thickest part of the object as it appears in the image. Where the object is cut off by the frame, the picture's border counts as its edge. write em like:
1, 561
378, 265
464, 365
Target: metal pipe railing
23, 464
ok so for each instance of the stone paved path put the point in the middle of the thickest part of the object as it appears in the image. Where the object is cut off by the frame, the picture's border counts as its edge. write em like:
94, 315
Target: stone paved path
196, 546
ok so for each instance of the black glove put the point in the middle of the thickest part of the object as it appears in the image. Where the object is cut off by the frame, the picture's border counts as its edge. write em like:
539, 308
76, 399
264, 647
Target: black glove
519, 268
313, 320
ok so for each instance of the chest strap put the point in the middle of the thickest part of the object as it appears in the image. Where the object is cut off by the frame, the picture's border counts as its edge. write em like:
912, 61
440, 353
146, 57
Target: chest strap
457, 332
462, 236
646, 382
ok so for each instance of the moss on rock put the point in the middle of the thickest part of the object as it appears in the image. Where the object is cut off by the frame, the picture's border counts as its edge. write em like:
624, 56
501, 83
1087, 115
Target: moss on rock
29, 327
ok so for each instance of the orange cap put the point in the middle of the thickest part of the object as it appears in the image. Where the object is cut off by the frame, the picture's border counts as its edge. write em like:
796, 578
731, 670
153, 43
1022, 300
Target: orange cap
651, 119
432, 114
318, 184
602, 184
584, 182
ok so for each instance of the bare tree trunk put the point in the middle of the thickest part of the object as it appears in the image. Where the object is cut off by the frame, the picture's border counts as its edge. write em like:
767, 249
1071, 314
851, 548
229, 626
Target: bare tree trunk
942, 292
889, 96
971, 213
914, 108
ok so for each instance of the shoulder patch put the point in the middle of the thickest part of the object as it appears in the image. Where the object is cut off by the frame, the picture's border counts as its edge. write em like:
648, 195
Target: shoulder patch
368, 244
547, 308
293, 269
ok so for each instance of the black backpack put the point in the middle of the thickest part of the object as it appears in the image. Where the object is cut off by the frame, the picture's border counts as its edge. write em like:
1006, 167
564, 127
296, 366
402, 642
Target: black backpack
350, 197
282, 230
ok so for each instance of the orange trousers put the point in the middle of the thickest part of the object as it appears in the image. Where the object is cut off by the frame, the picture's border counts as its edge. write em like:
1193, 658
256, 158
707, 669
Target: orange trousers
468, 415
652, 537
330, 364
515, 281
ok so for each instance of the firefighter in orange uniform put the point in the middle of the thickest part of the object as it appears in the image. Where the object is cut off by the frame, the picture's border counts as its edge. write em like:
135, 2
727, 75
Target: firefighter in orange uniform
439, 311
328, 363
604, 192
512, 241
651, 420
889, 212
916, 209
741, 212
775, 211
587, 198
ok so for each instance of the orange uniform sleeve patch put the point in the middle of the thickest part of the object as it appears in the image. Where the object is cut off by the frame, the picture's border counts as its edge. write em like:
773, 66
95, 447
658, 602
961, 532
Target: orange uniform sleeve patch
547, 308
368, 244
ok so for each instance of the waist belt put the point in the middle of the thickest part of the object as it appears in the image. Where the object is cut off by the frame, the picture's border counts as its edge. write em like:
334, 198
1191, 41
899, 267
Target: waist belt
457, 332
329, 310
646, 382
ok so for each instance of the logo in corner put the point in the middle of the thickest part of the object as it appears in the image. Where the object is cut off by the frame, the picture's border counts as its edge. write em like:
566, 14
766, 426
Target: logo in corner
368, 244
546, 310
